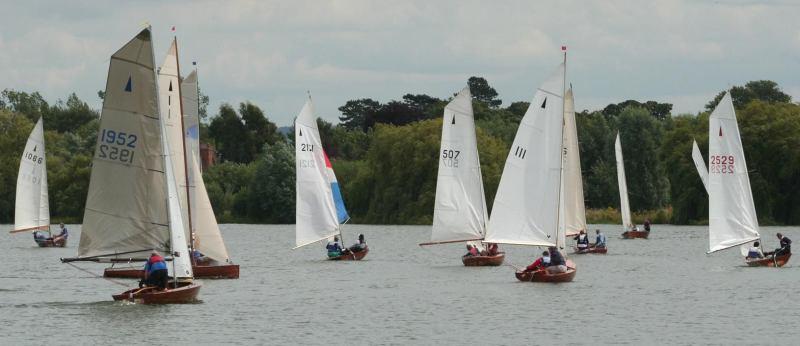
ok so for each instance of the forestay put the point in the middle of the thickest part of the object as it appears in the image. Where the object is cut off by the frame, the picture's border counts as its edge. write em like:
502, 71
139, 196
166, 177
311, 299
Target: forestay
732, 217
32, 208
624, 205
700, 164
526, 206
573, 209
459, 212
319, 206
172, 119
126, 201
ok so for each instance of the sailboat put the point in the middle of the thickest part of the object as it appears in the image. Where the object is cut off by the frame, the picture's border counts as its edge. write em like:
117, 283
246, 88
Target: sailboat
319, 208
459, 213
732, 219
628, 231
32, 208
527, 207
700, 164
573, 210
196, 210
133, 205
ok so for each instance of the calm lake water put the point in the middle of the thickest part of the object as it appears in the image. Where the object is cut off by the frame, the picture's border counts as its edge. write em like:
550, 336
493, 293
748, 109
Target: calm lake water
664, 290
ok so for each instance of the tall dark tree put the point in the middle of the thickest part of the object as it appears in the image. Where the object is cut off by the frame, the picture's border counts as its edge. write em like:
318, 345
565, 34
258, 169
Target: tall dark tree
356, 112
518, 108
763, 90
69, 116
482, 92
230, 136
261, 129
30, 105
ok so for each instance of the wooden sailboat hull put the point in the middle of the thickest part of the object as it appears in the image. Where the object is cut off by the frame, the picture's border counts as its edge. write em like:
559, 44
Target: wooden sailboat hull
484, 261
597, 250
779, 261
224, 271
351, 256
227, 271
184, 293
543, 276
635, 234
50, 243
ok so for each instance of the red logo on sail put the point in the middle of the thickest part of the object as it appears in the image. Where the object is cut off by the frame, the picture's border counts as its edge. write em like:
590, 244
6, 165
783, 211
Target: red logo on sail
720, 131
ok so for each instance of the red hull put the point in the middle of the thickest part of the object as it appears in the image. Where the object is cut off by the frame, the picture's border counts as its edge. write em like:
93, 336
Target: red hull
225, 271
185, 293
769, 262
484, 261
598, 250
228, 271
543, 276
635, 234
351, 256
50, 243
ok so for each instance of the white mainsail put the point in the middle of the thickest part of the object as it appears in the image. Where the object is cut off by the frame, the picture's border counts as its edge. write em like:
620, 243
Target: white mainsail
573, 209
126, 201
700, 164
624, 205
191, 118
732, 216
172, 120
208, 239
181, 258
32, 208
526, 207
318, 209
459, 212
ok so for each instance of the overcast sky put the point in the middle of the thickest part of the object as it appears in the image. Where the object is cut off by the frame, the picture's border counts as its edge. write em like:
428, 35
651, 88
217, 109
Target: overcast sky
271, 52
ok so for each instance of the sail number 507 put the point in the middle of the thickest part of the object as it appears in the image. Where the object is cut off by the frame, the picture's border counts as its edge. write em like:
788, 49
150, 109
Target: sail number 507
722, 164
450, 157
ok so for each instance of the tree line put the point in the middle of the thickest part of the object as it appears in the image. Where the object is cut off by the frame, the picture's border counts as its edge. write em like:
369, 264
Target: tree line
385, 155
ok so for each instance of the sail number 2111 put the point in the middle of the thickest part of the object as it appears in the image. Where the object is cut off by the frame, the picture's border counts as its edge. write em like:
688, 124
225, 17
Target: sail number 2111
117, 146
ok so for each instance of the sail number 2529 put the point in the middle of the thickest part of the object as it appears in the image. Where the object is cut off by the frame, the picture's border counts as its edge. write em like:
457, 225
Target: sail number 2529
117, 146
721, 164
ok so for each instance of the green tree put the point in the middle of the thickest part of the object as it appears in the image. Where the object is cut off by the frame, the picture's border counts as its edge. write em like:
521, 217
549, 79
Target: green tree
230, 136
355, 113
482, 92
272, 189
763, 90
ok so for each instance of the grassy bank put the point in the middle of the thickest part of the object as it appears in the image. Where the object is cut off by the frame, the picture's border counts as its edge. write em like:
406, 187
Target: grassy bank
612, 216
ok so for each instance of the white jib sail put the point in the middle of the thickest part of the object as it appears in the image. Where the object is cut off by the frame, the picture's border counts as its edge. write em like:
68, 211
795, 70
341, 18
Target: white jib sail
32, 208
459, 212
126, 201
171, 117
700, 164
182, 259
526, 206
315, 211
573, 208
624, 205
191, 117
208, 239
732, 217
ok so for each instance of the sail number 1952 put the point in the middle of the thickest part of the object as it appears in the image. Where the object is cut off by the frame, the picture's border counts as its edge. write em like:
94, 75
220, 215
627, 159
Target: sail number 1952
117, 146
721, 164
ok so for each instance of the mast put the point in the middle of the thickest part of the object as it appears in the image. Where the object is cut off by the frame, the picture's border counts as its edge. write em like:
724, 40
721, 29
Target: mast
183, 143
560, 230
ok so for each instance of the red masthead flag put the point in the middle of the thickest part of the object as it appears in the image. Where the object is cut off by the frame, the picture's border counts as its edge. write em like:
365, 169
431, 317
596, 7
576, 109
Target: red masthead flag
564, 48
173, 28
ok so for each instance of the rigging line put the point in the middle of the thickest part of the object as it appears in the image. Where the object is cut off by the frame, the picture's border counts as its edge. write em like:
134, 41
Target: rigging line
95, 275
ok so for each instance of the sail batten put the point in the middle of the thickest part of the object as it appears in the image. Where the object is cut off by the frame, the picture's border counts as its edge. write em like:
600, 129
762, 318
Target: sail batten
732, 216
526, 207
624, 204
32, 208
460, 206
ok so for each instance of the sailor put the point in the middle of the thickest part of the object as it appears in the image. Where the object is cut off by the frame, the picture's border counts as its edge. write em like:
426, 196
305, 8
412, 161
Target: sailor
539, 263
583, 241
557, 262
647, 225
600, 240
359, 245
755, 251
334, 248
786, 246
493, 249
64, 234
472, 251
155, 272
